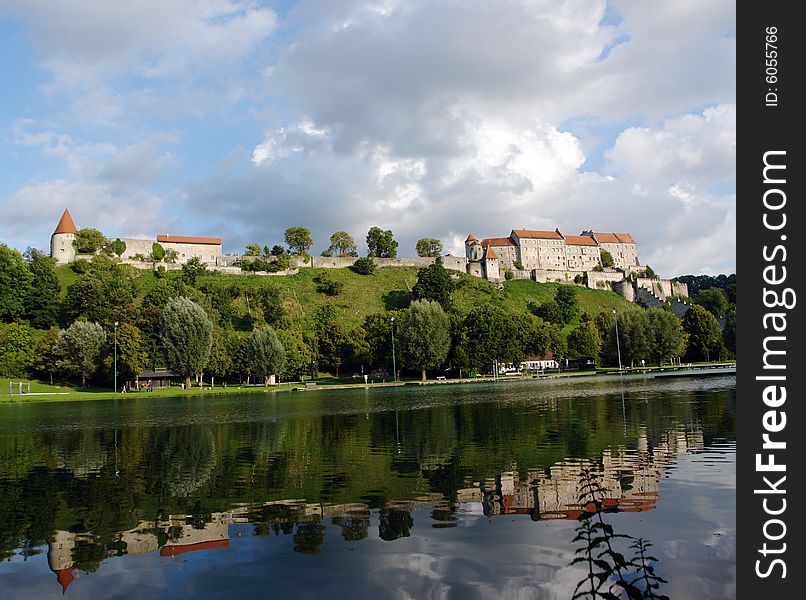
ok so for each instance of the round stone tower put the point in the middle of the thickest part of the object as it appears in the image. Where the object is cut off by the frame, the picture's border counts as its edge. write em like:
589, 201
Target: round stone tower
61, 242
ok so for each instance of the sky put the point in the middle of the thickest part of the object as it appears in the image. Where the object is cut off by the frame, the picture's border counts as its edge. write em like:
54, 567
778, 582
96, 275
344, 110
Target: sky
439, 118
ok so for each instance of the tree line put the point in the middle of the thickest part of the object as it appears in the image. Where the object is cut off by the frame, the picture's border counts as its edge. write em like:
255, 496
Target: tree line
380, 244
196, 326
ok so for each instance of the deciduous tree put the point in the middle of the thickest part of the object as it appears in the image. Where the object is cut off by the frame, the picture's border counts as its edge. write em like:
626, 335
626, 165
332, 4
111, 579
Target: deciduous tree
252, 249
381, 244
89, 241
42, 303
79, 347
425, 336
434, 283
299, 239
666, 336
342, 244
704, 335
15, 283
186, 334
266, 353
428, 247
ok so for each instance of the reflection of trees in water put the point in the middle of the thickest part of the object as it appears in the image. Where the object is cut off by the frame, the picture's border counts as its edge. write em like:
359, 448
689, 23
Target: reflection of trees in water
354, 526
187, 457
394, 523
610, 574
309, 537
83, 455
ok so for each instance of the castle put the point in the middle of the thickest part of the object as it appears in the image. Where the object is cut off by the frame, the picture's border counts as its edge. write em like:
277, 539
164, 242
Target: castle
544, 256
180, 247
529, 250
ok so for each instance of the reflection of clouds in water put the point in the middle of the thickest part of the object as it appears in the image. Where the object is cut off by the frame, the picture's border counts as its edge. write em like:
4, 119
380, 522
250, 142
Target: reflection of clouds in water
463, 568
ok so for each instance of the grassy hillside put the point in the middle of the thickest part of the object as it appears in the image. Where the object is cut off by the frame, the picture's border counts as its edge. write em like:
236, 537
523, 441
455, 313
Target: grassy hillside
387, 288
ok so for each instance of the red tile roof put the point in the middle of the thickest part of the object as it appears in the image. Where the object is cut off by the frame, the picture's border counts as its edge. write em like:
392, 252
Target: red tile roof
66, 224
580, 240
471, 238
182, 548
65, 578
489, 253
613, 238
188, 239
537, 235
499, 242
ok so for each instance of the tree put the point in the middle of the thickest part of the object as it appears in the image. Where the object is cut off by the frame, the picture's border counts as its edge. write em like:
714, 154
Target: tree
434, 283
186, 334
277, 250
326, 285
297, 353
266, 353
342, 244
299, 239
271, 303
378, 335
714, 300
16, 349
118, 247
132, 355
424, 336
193, 269
15, 283
584, 341
607, 259
42, 302
79, 347
666, 336
428, 247
220, 363
103, 294
364, 266
650, 272
45, 355
550, 312
157, 251
729, 334
381, 244
171, 255
566, 299
252, 249
89, 241
704, 335
491, 336
634, 335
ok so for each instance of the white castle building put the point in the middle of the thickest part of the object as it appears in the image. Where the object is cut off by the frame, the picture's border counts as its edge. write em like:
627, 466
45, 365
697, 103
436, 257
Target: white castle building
530, 250
207, 249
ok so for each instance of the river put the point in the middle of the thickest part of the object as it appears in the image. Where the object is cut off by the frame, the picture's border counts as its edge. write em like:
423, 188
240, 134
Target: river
541, 489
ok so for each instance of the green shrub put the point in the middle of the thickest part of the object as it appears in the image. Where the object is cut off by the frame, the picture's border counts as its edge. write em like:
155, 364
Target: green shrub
364, 266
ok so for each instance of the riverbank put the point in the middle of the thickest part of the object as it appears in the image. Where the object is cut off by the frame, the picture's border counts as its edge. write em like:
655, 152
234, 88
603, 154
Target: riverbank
46, 393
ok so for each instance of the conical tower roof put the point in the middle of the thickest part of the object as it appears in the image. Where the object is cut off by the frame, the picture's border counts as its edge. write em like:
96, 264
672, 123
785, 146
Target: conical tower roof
66, 224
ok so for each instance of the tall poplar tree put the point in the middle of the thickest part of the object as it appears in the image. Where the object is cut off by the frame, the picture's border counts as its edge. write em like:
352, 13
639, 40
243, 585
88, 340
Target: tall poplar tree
186, 334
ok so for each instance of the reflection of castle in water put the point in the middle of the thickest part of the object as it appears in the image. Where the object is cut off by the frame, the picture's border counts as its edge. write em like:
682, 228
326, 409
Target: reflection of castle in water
627, 481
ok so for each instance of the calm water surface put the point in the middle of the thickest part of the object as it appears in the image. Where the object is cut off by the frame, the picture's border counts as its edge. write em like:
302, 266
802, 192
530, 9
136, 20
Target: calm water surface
527, 490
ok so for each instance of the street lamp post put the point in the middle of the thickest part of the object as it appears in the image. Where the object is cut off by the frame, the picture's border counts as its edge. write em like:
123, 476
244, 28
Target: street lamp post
618, 346
116, 357
394, 367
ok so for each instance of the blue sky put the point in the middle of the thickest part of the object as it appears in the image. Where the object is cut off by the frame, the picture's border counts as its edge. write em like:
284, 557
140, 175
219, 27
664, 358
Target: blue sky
240, 118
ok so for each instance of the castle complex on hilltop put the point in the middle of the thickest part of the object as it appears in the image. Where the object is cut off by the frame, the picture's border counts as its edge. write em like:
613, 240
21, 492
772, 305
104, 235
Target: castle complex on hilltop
544, 256
529, 250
